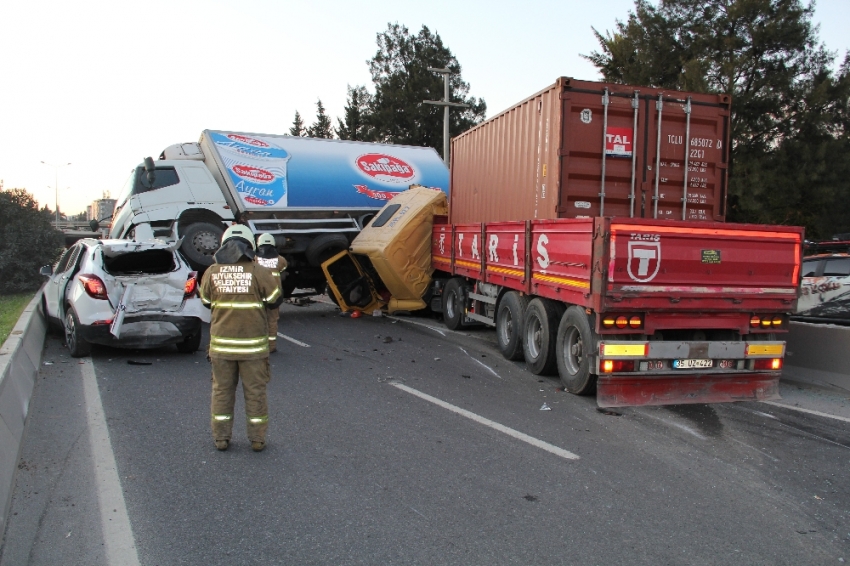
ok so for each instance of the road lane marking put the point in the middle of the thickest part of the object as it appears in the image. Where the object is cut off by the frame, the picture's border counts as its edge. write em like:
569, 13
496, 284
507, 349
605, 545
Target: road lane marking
422, 324
488, 368
293, 340
487, 422
810, 411
115, 522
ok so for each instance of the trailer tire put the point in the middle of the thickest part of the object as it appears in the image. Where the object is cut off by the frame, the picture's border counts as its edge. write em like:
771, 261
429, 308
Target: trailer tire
200, 241
453, 304
576, 340
540, 327
509, 319
324, 247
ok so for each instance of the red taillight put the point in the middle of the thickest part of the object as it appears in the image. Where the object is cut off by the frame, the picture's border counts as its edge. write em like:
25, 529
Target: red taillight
610, 366
771, 364
94, 286
191, 285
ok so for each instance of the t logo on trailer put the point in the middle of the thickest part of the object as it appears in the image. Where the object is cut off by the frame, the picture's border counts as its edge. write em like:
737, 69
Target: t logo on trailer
644, 260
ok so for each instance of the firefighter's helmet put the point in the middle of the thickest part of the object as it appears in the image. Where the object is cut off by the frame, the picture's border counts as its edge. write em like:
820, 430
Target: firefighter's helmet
239, 231
265, 239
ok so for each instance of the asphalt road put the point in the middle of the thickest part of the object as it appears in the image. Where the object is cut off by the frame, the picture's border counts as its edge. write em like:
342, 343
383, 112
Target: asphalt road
394, 443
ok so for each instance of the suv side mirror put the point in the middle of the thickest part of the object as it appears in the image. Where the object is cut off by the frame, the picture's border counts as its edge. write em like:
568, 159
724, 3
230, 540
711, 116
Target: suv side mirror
94, 225
46, 270
150, 169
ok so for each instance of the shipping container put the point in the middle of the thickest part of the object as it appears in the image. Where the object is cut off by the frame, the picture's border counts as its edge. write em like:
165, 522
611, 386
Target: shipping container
587, 149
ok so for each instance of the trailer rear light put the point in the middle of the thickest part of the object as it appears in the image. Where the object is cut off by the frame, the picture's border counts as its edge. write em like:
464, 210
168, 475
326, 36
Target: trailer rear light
772, 364
636, 322
93, 286
191, 285
641, 350
622, 321
608, 321
755, 320
778, 320
765, 323
610, 366
764, 349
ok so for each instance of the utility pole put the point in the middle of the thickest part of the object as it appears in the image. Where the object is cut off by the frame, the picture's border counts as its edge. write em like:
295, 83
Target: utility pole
56, 185
446, 104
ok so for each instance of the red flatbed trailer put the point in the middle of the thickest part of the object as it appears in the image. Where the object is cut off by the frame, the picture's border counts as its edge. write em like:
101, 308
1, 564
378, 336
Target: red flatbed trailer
662, 312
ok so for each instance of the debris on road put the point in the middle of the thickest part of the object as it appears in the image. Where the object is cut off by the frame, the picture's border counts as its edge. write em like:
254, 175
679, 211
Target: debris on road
135, 363
545, 407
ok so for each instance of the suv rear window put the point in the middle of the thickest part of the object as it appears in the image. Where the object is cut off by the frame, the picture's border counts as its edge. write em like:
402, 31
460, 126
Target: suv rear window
837, 267
148, 262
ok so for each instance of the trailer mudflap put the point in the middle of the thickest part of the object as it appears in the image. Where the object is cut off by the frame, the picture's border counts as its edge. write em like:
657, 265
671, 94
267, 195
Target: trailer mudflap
630, 390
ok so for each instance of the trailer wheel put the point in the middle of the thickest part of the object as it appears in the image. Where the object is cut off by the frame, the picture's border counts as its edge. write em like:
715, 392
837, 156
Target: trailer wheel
453, 304
576, 341
509, 318
540, 328
324, 247
200, 242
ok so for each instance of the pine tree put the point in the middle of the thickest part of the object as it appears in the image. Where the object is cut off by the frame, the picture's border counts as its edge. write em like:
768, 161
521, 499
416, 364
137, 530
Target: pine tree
356, 124
297, 128
322, 127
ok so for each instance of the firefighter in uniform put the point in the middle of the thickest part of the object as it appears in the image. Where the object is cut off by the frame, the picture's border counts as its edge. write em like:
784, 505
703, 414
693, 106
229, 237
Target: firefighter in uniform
267, 256
239, 292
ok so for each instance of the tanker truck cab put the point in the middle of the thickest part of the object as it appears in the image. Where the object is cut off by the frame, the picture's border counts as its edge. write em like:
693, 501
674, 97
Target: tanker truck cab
169, 194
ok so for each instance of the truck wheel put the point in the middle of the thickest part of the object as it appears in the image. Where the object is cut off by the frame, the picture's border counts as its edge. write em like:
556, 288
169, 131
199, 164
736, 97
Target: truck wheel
190, 344
453, 304
200, 241
509, 317
77, 346
540, 332
575, 348
324, 247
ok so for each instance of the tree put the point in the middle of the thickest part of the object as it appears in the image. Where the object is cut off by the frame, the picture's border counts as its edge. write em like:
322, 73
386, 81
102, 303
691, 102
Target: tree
27, 241
322, 127
765, 53
356, 125
402, 81
297, 128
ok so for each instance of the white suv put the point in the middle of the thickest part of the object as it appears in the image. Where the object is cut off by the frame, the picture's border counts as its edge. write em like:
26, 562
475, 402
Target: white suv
135, 294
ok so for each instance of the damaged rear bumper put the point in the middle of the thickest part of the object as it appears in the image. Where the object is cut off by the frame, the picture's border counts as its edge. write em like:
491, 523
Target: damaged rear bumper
145, 331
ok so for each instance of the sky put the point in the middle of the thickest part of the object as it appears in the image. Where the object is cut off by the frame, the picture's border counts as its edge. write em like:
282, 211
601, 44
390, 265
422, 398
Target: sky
102, 84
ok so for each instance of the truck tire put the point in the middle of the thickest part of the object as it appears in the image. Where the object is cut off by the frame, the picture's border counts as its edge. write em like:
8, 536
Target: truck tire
200, 241
77, 346
453, 304
540, 327
575, 349
509, 319
324, 247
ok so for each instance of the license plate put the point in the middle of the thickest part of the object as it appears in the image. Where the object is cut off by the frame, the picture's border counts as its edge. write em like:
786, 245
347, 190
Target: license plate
690, 364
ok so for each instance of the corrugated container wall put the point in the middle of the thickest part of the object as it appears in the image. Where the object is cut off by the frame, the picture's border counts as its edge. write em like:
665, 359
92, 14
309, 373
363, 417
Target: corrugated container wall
547, 157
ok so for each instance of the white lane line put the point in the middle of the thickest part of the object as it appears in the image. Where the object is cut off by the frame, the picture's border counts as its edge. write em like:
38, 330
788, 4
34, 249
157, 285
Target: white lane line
487, 422
293, 340
810, 411
429, 327
762, 452
488, 368
115, 522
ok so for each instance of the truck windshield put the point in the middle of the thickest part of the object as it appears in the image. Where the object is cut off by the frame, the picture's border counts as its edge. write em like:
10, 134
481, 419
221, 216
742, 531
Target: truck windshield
125, 191
165, 177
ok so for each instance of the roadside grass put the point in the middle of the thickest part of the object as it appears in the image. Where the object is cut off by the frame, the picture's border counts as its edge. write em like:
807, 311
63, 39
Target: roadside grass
11, 307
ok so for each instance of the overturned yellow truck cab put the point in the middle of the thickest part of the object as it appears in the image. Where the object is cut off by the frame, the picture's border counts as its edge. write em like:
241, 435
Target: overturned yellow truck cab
388, 265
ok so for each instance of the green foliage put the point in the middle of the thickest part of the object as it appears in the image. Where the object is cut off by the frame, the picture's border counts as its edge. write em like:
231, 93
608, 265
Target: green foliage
27, 241
402, 82
322, 127
297, 128
356, 125
789, 111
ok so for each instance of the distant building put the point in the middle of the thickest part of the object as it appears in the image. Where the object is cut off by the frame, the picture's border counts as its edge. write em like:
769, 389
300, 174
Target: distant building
100, 209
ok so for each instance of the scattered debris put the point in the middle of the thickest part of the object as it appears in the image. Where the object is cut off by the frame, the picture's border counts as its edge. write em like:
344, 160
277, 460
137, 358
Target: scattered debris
466, 376
135, 363
387, 340
608, 412
436, 359
529, 497
48, 363
545, 407
356, 314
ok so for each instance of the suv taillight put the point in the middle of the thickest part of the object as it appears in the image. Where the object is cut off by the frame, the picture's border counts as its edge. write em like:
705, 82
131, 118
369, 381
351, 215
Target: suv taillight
94, 286
191, 285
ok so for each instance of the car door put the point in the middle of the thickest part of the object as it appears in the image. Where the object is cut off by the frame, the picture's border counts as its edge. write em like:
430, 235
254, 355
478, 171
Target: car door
51, 290
65, 278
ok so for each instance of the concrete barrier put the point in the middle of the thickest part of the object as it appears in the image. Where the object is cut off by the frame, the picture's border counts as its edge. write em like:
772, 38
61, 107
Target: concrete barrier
20, 358
818, 354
